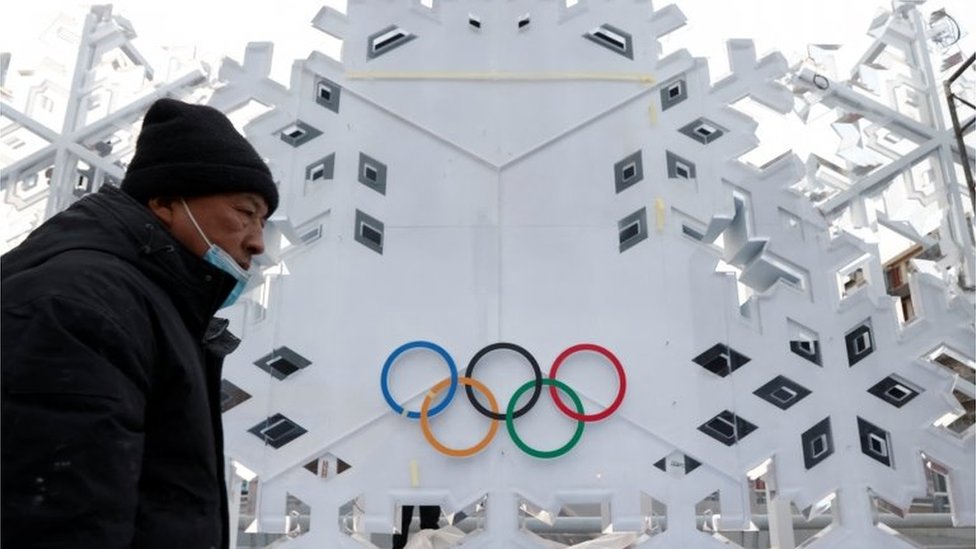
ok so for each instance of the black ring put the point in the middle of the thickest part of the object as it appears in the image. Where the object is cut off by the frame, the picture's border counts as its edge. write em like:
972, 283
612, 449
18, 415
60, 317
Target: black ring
537, 390
826, 83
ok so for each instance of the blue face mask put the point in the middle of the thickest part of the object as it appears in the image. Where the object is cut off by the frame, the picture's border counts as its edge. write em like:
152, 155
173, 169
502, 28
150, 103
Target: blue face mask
219, 258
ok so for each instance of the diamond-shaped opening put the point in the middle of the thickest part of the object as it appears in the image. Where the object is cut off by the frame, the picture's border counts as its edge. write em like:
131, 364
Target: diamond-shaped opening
679, 168
231, 395
859, 342
677, 464
628, 171
895, 390
673, 93
703, 130
298, 133
809, 350
721, 360
782, 392
804, 342
632, 229
727, 428
875, 442
387, 39
327, 466
277, 430
613, 39
282, 362
293, 132
369, 232
818, 443
372, 173
321, 169
327, 94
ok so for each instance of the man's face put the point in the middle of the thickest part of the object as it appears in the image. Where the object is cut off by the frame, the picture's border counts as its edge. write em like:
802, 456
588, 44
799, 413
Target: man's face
233, 221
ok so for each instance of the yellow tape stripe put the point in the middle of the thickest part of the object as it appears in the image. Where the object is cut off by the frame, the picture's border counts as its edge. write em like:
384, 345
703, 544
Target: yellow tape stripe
660, 210
414, 473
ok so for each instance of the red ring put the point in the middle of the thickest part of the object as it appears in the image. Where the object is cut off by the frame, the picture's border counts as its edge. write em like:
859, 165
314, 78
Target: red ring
620, 373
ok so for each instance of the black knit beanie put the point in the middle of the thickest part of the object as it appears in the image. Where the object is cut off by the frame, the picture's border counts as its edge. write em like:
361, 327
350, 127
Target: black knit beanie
194, 150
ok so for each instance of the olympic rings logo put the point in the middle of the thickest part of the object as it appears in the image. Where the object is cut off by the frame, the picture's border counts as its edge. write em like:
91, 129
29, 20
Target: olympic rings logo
492, 412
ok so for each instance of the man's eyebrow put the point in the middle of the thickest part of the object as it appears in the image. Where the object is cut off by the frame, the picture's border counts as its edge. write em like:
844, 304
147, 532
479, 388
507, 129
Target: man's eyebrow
253, 201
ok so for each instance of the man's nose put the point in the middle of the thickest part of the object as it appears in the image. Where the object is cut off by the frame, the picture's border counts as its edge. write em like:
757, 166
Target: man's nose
254, 244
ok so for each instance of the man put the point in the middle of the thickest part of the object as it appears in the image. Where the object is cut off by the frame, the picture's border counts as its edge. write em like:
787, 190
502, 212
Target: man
430, 516
111, 356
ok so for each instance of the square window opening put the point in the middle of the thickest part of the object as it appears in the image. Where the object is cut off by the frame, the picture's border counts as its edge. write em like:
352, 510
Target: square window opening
819, 446
371, 234
612, 39
388, 39
862, 343
370, 173
705, 130
325, 92
878, 445
784, 394
277, 429
898, 392
630, 231
294, 132
674, 90
682, 171
629, 171
312, 235
723, 426
692, 232
282, 365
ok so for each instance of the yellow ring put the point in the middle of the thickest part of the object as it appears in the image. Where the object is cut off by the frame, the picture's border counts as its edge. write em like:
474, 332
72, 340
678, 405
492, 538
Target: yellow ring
425, 421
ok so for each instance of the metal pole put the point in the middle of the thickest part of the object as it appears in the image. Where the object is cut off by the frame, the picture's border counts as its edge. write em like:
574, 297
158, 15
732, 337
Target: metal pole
958, 130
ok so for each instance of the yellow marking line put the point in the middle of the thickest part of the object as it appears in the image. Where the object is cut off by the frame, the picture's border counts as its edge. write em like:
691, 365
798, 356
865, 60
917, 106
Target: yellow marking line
660, 211
414, 473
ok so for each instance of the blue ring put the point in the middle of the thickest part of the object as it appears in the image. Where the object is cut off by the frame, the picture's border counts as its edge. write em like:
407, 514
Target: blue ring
384, 377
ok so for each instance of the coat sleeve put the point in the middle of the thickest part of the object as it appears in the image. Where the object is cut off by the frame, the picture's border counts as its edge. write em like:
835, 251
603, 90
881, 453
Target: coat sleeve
75, 385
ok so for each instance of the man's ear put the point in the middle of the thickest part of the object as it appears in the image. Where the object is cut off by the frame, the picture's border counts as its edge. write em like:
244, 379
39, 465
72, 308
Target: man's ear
164, 208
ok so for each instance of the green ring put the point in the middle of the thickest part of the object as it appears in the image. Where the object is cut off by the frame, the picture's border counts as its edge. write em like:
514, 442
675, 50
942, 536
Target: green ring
510, 420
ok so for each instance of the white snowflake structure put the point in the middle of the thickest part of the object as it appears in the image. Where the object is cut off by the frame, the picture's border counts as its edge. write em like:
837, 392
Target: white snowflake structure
501, 184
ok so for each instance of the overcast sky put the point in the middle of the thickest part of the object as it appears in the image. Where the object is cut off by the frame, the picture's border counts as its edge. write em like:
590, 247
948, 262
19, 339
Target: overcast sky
225, 27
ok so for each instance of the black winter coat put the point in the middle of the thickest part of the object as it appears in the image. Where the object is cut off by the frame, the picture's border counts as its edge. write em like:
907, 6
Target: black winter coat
111, 427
